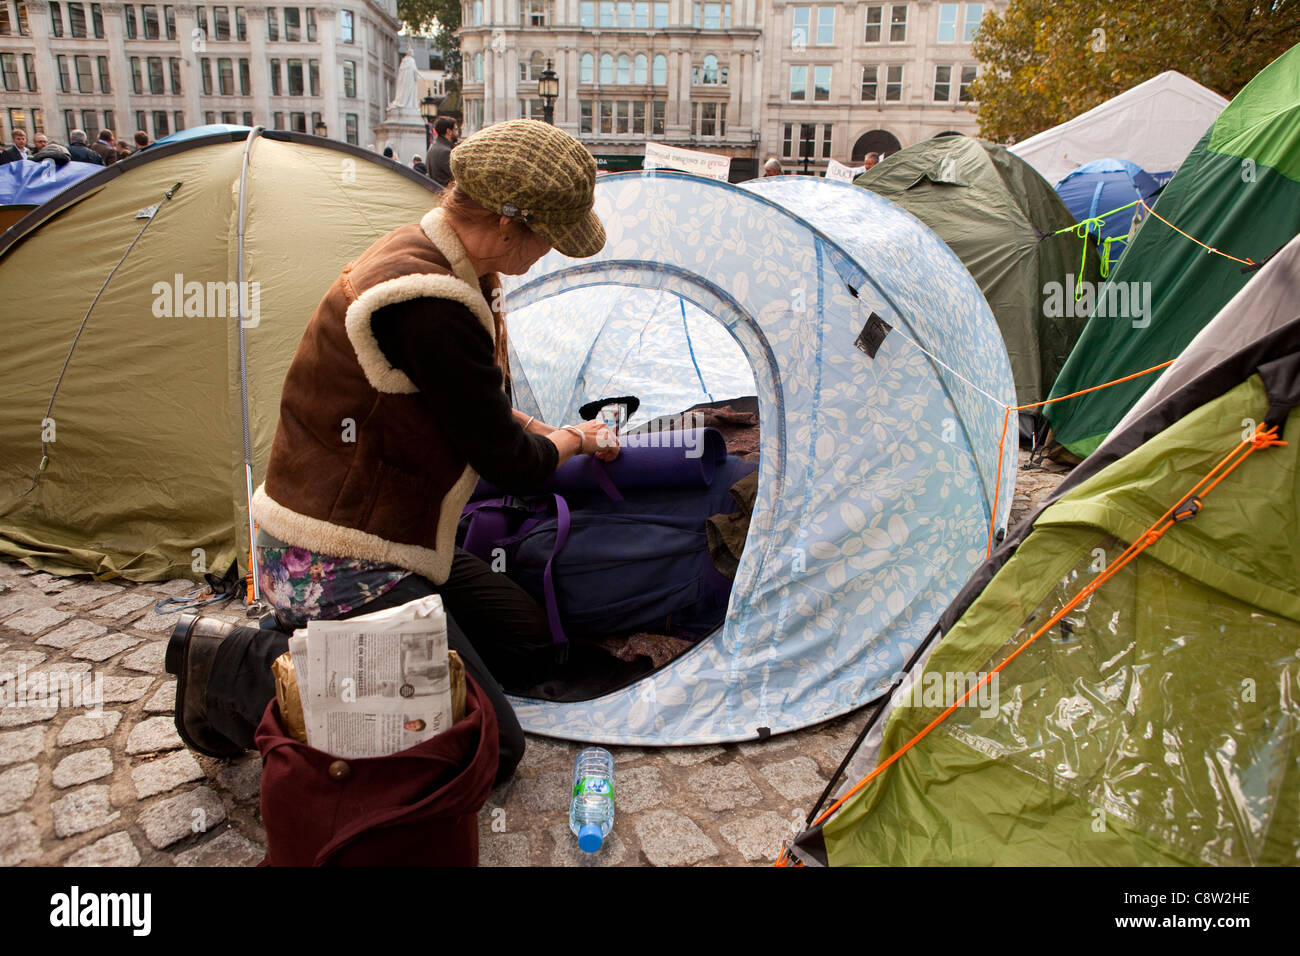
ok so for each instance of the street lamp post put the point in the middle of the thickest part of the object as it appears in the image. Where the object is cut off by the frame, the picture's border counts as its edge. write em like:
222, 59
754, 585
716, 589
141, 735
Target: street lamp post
320, 129
548, 88
429, 110
807, 147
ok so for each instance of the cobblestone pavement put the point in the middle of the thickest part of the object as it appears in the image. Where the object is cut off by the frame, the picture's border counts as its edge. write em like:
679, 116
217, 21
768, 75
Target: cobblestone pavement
121, 790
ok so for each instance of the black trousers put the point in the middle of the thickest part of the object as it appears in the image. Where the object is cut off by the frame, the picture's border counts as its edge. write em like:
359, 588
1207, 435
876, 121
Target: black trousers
492, 624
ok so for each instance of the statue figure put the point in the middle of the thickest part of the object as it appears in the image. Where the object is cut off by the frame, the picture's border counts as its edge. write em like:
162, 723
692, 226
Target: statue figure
406, 96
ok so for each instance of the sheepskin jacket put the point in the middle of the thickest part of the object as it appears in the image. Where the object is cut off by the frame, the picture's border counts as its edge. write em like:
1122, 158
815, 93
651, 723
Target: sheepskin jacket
358, 466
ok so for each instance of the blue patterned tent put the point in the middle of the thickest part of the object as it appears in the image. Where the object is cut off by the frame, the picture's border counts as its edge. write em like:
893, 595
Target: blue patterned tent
878, 456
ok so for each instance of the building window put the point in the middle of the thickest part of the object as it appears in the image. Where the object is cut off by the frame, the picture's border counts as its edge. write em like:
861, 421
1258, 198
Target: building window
638, 117
661, 16
201, 23
205, 74
870, 76
825, 25
313, 77
6, 26
587, 13
292, 25
245, 79
77, 20
56, 20
787, 141
659, 74
24, 30
178, 121
942, 84
350, 124
349, 78
226, 76
606, 118
968, 74
149, 13
708, 74
155, 75
101, 64
624, 69
295, 78
974, 12
478, 67
641, 20
69, 122
221, 23
310, 14
65, 79
298, 122
947, 23
606, 13
893, 83
108, 121
141, 121
241, 25
798, 84
531, 69
639, 70
587, 69
137, 76
537, 13
273, 24
478, 13
625, 13
97, 24
807, 140
713, 119
128, 16
316, 120
898, 23
658, 109
275, 77
606, 68
584, 116
9, 71
799, 34
210, 117
821, 84
160, 128
169, 22
174, 67
530, 109
826, 141
29, 68
347, 32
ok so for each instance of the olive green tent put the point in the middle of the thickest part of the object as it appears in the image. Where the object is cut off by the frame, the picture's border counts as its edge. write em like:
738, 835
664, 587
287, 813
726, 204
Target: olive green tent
1238, 192
998, 215
126, 358
1156, 722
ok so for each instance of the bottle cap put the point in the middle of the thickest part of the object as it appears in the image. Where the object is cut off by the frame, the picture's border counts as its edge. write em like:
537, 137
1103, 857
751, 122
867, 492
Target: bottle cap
590, 839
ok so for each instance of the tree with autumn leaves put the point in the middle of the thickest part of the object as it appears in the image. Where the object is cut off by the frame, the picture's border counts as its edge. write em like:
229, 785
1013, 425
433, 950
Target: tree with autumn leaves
1046, 61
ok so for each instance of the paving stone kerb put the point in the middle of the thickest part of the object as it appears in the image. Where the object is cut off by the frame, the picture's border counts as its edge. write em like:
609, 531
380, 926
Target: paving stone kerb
119, 789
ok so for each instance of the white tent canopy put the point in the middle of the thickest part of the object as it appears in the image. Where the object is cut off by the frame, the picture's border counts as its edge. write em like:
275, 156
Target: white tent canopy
1155, 124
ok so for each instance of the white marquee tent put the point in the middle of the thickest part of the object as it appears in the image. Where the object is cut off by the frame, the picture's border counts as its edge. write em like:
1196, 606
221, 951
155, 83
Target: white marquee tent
1155, 124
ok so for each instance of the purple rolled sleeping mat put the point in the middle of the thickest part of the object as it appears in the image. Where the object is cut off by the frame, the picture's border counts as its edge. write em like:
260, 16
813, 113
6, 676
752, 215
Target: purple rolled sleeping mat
665, 459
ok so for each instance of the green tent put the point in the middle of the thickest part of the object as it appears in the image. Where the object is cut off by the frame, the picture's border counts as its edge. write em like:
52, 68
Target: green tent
998, 215
131, 278
1156, 722
1239, 192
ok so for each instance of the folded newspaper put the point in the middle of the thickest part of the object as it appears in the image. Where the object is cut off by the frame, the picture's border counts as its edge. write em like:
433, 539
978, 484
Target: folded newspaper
375, 684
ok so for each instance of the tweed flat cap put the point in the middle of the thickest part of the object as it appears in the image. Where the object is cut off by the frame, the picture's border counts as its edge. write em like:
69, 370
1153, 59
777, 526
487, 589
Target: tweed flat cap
535, 172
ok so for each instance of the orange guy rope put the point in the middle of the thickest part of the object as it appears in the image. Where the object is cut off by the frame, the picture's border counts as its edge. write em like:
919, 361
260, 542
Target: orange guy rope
1246, 262
1006, 418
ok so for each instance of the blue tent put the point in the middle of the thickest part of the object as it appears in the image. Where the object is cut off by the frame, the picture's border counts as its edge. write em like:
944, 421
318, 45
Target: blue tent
194, 132
881, 379
1106, 184
28, 183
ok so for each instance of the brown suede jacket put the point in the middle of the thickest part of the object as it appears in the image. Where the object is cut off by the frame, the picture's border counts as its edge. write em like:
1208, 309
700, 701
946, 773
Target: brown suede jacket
375, 458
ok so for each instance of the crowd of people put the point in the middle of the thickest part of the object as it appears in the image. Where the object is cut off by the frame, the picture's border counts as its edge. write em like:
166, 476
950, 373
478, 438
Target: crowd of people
104, 151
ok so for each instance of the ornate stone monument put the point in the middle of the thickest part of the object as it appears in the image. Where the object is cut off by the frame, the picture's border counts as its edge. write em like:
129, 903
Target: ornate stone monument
403, 126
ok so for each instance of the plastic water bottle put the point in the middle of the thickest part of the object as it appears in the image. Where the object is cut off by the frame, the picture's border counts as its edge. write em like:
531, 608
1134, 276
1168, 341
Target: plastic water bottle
591, 814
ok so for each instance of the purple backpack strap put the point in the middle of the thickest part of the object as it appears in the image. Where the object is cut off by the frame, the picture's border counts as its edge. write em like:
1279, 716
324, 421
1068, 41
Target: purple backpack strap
548, 576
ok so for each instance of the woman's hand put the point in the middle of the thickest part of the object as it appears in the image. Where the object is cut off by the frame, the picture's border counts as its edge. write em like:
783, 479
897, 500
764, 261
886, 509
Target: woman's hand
598, 440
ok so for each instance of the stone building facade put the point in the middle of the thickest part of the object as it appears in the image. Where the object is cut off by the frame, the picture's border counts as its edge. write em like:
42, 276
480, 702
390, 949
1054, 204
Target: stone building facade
165, 67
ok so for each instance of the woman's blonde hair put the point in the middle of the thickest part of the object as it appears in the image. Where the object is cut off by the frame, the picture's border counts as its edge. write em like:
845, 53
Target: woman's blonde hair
459, 206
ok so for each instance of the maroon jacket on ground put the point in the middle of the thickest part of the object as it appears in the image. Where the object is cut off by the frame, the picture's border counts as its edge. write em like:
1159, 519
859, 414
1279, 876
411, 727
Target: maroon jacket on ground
418, 807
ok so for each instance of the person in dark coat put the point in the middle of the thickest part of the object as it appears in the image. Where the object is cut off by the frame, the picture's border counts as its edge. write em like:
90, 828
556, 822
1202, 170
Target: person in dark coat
438, 160
418, 165
79, 151
104, 147
17, 149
